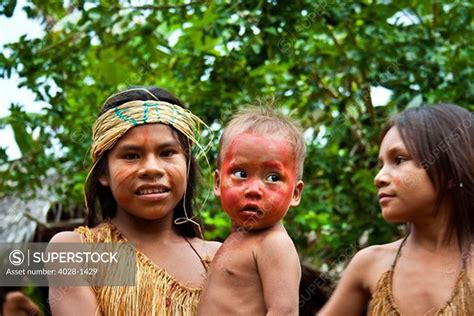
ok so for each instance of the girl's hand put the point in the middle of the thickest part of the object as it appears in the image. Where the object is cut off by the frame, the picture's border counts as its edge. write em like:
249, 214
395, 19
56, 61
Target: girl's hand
18, 304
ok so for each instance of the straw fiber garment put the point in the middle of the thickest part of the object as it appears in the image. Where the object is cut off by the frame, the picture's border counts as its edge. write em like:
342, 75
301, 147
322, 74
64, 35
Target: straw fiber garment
156, 292
461, 302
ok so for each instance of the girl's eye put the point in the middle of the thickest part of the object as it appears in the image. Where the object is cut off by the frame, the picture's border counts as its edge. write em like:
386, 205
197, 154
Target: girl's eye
273, 178
400, 159
240, 174
131, 156
168, 153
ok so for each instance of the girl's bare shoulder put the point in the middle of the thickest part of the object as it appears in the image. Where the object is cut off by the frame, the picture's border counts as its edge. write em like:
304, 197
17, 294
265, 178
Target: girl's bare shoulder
384, 252
66, 236
73, 236
372, 261
212, 247
206, 247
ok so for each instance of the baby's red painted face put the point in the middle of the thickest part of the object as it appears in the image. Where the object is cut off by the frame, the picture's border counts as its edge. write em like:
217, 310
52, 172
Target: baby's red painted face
257, 182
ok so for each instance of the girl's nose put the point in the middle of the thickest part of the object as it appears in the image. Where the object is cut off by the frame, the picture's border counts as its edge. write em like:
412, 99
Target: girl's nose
382, 178
253, 189
151, 168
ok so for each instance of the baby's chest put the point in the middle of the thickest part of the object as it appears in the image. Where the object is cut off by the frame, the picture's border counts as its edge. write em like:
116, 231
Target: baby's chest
233, 261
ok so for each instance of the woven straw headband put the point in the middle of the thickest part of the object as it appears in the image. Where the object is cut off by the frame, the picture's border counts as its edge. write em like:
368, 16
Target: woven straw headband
114, 123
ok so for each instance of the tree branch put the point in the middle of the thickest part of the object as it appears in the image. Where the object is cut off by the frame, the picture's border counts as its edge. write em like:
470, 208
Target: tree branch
333, 37
367, 99
162, 7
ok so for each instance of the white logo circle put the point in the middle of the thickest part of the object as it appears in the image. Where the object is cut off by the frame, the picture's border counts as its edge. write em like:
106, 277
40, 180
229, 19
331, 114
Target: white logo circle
16, 257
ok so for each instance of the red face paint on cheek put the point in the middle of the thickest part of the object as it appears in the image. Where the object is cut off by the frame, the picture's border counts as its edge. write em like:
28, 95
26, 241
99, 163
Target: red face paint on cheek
230, 198
397, 181
123, 175
278, 201
229, 194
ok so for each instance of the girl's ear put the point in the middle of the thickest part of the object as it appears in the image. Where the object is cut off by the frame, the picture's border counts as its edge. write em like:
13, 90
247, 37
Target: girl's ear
296, 198
217, 183
104, 179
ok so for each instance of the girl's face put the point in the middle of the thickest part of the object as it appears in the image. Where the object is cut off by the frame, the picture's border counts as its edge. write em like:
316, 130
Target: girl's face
405, 191
146, 172
257, 181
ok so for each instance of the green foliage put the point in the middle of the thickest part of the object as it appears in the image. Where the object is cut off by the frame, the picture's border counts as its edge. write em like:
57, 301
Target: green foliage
320, 59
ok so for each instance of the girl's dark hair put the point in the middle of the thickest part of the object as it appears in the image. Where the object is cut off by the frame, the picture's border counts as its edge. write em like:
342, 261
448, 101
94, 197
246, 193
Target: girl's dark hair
441, 139
106, 207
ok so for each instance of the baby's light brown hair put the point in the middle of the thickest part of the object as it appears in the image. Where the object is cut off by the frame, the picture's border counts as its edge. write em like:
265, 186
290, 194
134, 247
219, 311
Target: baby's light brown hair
266, 121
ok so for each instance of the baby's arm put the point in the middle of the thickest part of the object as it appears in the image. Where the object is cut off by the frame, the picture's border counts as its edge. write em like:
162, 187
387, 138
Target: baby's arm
74, 300
280, 272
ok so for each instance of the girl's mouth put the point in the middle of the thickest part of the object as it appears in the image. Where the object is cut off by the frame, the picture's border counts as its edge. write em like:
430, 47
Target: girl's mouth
153, 197
152, 191
385, 198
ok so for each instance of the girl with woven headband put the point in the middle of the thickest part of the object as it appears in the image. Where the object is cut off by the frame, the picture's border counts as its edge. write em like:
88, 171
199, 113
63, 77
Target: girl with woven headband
426, 180
140, 189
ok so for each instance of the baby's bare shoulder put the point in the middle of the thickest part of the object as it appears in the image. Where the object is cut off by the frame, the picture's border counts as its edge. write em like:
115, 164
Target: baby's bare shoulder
278, 237
277, 243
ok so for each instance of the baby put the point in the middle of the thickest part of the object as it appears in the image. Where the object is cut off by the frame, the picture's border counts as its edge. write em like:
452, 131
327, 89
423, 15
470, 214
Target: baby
259, 169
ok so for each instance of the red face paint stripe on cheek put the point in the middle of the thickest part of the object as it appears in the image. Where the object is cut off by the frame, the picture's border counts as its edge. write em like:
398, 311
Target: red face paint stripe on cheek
123, 175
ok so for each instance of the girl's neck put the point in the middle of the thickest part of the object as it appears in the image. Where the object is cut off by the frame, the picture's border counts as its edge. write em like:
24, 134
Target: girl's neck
432, 238
431, 235
138, 230
429, 232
